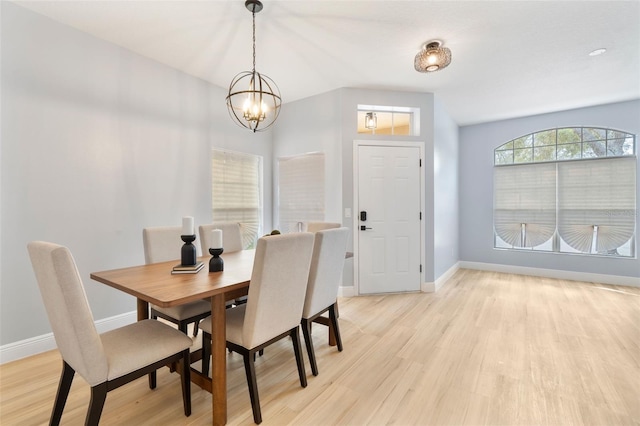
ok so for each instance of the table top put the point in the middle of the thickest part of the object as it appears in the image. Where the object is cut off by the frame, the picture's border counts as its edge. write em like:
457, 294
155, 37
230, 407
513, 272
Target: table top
156, 284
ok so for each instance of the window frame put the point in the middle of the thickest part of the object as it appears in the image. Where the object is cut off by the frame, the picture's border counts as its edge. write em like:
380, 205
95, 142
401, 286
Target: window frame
627, 149
250, 230
310, 213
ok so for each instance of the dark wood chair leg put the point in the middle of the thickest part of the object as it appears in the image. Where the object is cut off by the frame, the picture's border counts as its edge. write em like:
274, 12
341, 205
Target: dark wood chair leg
186, 382
306, 332
152, 380
98, 396
206, 352
333, 317
66, 377
252, 383
295, 337
195, 328
182, 326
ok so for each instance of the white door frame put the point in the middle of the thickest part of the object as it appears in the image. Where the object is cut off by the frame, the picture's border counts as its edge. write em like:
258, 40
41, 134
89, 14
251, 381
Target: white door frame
356, 204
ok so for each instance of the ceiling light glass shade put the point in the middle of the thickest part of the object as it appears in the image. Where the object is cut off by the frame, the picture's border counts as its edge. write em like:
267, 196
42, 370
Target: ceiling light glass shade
432, 57
371, 121
254, 100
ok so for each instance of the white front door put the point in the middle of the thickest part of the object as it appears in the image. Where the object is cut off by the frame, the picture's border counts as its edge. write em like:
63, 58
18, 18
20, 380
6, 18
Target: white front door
388, 219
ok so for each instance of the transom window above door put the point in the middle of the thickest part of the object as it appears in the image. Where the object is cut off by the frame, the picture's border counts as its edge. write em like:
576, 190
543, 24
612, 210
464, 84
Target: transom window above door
388, 120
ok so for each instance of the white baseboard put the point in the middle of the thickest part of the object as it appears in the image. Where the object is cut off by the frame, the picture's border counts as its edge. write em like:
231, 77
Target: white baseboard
35, 345
553, 273
433, 286
46, 342
346, 291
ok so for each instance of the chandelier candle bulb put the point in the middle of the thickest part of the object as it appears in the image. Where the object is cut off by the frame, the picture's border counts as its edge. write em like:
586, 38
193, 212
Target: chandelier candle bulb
216, 238
187, 226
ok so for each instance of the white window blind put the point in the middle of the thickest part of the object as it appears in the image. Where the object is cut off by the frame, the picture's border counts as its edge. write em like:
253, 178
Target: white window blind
597, 203
236, 191
525, 203
300, 190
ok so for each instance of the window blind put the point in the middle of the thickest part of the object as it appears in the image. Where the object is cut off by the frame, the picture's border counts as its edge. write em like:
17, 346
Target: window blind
597, 203
525, 203
300, 190
236, 191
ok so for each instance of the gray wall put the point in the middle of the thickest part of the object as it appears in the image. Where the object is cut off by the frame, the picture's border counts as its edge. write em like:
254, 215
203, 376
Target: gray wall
97, 143
476, 188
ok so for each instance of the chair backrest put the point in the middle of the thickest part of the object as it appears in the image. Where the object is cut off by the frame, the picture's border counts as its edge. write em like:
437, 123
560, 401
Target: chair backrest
163, 243
278, 286
325, 272
319, 226
231, 236
68, 310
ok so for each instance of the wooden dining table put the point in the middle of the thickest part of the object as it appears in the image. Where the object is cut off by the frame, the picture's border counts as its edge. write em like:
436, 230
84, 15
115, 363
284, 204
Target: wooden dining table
154, 283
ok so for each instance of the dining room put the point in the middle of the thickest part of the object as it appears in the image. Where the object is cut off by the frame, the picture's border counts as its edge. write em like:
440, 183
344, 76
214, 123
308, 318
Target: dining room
100, 142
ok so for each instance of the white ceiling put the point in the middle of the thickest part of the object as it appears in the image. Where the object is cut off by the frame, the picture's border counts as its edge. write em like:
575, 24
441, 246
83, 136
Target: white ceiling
510, 58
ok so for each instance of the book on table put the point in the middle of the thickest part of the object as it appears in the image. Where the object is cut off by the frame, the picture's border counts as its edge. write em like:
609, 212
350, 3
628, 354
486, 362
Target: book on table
187, 269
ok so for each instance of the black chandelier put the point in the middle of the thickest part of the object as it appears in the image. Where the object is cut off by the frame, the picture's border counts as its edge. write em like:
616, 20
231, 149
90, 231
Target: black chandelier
254, 99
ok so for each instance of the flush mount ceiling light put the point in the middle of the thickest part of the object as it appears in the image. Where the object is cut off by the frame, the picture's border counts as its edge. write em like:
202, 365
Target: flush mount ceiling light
254, 99
432, 57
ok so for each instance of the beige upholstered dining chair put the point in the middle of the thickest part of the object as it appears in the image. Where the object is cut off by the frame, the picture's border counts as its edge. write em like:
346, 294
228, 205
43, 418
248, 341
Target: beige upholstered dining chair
161, 244
319, 226
278, 280
231, 242
109, 360
231, 236
327, 262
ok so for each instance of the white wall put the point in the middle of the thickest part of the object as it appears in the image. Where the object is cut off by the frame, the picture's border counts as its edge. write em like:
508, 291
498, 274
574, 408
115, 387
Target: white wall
445, 177
331, 127
97, 143
476, 188
350, 98
313, 125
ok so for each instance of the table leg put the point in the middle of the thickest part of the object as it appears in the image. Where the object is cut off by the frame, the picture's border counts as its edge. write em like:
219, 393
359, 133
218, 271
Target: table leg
143, 310
219, 360
143, 314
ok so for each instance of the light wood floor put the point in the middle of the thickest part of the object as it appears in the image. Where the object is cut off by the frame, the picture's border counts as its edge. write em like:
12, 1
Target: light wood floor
487, 349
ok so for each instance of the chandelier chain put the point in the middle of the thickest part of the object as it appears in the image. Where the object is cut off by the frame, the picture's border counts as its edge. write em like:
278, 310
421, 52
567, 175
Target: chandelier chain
254, 40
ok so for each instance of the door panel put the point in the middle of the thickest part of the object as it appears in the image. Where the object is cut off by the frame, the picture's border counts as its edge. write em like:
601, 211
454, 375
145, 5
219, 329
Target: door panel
389, 191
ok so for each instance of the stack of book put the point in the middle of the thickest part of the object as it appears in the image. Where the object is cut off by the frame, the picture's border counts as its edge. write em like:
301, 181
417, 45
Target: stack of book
187, 269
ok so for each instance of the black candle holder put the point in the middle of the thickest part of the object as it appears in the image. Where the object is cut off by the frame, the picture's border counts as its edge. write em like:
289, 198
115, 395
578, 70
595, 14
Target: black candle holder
216, 264
188, 252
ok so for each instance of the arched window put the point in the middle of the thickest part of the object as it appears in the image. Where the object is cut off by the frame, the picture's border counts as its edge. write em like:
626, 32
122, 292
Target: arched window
570, 190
